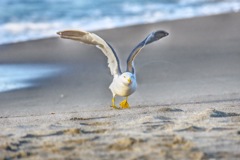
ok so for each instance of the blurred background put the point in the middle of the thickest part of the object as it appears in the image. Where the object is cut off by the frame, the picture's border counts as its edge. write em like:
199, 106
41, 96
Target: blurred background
199, 58
22, 20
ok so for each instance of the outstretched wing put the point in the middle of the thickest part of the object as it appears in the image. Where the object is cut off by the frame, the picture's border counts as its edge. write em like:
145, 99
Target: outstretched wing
93, 39
154, 36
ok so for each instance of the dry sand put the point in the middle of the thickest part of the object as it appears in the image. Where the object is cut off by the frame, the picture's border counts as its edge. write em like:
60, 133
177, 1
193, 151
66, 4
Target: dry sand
182, 131
187, 105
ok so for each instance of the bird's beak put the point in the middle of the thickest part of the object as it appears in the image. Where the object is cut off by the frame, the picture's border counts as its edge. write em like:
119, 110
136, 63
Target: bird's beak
129, 80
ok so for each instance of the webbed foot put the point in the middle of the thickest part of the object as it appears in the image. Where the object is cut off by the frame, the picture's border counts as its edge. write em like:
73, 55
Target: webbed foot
124, 104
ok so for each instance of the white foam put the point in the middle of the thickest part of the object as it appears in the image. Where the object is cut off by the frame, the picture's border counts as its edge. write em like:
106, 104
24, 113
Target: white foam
133, 14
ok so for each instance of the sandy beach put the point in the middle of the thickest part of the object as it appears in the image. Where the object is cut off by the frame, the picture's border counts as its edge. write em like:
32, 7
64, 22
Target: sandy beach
187, 105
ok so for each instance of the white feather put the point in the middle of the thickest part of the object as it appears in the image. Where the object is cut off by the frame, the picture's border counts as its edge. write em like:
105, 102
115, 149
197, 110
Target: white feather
93, 39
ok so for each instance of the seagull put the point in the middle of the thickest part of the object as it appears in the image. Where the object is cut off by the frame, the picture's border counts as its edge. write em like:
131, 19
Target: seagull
123, 84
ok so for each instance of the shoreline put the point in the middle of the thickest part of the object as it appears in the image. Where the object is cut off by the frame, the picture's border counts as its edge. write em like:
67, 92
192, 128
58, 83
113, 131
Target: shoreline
133, 25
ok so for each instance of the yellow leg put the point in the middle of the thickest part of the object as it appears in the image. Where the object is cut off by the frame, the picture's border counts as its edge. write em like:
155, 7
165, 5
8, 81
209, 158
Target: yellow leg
124, 104
113, 103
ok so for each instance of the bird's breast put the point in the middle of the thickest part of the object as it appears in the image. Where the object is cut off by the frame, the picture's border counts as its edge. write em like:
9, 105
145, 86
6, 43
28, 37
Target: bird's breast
123, 90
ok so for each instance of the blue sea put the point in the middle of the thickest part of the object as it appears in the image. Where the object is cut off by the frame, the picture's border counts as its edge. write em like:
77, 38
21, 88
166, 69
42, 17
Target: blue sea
22, 20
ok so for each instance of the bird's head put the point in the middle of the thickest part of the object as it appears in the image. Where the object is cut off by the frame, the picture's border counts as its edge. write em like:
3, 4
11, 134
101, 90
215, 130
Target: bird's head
127, 78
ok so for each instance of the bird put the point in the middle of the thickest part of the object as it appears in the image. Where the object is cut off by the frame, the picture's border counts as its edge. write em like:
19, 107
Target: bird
124, 83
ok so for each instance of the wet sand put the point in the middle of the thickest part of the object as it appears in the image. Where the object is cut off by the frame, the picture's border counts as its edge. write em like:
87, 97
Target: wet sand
187, 105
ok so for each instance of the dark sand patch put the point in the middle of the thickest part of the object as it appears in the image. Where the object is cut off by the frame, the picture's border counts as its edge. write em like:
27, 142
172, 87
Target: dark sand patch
216, 113
192, 129
85, 119
170, 110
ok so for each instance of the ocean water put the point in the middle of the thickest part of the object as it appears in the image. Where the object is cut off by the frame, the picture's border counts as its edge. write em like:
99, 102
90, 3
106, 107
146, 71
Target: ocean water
19, 76
22, 20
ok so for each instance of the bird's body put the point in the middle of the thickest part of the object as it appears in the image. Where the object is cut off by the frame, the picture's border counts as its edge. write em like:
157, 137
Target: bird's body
123, 84
122, 87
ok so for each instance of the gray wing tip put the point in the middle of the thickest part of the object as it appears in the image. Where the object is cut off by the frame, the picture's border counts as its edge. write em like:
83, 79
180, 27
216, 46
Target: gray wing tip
160, 34
154, 36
